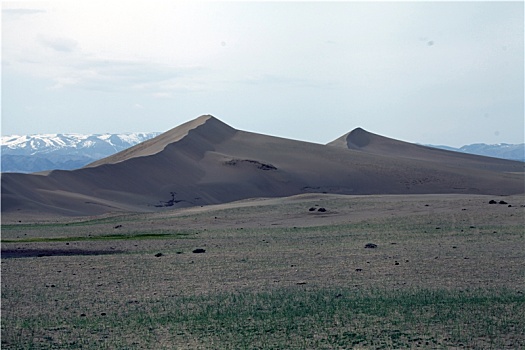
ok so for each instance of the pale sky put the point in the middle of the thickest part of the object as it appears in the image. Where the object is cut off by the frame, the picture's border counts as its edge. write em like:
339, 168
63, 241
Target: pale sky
449, 73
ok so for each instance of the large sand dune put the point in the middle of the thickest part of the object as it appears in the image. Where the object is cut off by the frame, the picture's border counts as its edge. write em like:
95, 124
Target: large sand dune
206, 161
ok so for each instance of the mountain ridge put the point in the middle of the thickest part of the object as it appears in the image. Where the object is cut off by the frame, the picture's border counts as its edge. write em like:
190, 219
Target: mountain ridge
35, 153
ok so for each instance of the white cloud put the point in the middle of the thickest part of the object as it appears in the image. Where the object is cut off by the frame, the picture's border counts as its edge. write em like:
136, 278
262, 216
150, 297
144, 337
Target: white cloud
16, 13
60, 44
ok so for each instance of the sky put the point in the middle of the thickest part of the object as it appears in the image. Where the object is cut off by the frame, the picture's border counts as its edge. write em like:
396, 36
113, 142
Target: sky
443, 73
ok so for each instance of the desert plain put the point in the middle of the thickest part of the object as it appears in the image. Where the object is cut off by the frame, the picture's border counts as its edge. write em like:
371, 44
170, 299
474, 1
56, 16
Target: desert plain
207, 237
441, 272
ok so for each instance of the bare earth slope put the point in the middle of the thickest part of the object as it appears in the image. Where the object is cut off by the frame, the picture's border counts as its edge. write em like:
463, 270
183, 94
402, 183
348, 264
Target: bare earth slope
206, 162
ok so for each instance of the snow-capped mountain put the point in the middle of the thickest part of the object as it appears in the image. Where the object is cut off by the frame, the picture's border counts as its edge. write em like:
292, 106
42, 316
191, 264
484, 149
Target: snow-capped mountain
500, 150
33, 153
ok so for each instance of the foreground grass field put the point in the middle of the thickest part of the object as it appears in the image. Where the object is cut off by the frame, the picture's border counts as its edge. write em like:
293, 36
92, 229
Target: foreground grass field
444, 273
320, 318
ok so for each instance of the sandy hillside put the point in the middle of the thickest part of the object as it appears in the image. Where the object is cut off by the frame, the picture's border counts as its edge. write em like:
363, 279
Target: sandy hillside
205, 161
365, 141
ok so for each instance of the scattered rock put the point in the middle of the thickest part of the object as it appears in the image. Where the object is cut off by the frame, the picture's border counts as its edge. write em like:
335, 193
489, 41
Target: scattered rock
199, 250
118, 226
396, 263
311, 209
359, 270
492, 201
370, 245
82, 315
301, 282
503, 202
321, 209
102, 314
158, 255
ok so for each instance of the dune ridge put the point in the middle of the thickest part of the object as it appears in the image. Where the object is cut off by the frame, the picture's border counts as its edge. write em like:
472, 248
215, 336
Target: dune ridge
205, 161
207, 124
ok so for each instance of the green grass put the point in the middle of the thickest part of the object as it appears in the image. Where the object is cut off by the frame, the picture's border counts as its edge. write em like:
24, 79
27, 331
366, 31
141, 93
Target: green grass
110, 237
292, 318
45, 226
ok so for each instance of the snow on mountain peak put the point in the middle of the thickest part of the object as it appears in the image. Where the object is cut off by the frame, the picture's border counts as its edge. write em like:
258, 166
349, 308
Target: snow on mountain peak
46, 142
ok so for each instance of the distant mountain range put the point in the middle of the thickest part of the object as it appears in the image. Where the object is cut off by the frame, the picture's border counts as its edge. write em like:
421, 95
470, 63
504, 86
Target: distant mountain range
500, 150
34, 153
41, 152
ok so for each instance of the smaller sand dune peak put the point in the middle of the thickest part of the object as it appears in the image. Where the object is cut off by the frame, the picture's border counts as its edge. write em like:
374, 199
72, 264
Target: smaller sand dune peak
205, 128
365, 141
355, 139
360, 139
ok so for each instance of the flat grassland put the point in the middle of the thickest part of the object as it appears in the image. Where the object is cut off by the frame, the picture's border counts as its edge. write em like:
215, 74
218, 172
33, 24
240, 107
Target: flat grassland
367, 272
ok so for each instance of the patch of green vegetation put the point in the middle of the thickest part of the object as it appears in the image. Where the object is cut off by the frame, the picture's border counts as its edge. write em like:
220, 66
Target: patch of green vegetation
109, 237
291, 318
65, 224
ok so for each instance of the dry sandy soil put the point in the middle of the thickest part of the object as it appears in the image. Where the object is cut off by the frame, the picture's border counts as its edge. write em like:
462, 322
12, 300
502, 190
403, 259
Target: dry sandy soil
440, 240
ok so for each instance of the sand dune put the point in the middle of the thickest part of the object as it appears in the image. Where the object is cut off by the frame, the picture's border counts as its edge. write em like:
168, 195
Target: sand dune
206, 162
364, 141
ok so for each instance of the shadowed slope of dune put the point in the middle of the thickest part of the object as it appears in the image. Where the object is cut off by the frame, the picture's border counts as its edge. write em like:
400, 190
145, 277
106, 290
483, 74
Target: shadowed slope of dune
206, 161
